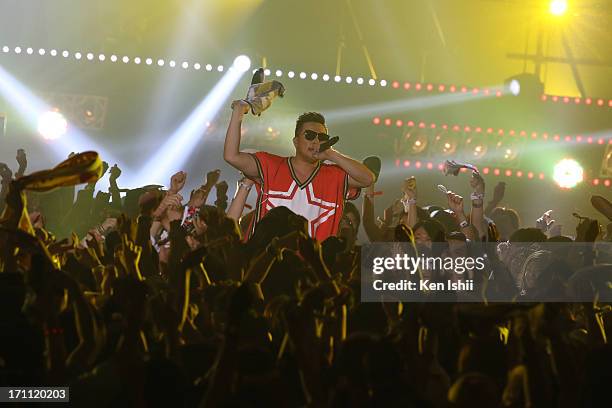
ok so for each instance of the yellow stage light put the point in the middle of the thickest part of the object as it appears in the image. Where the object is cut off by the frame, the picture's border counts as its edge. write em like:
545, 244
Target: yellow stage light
558, 7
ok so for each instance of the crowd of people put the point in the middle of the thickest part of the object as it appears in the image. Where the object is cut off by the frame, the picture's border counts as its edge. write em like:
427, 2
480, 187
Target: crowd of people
157, 298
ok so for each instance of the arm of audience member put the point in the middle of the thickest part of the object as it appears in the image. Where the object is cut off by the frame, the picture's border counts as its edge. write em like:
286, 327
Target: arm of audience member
545, 222
409, 200
477, 216
498, 195
220, 384
302, 332
242, 193
359, 175
310, 249
84, 354
113, 188
212, 178
130, 257
373, 231
159, 216
260, 265
244, 162
178, 242
221, 201
177, 182
22, 160
143, 240
455, 203
15, 204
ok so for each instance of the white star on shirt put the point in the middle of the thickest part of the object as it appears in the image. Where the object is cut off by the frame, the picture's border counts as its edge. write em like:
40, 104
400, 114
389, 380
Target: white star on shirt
302, 201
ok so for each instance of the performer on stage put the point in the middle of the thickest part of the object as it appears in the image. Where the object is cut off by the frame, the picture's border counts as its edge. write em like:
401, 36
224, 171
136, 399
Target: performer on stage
302, 183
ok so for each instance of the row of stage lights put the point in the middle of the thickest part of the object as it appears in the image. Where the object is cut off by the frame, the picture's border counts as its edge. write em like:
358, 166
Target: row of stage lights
499, 172
491, 131
278, 73
419, 164
600, 102
89, 56
408, 86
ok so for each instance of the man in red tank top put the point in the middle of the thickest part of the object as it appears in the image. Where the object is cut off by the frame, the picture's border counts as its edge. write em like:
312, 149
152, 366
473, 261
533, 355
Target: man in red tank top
303, 182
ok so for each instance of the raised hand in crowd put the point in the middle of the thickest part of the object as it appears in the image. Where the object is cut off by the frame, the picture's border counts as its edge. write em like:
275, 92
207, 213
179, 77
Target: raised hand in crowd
177, 182
22, 161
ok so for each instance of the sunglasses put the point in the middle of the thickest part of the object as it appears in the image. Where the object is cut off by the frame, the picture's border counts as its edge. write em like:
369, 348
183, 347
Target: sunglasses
310, 135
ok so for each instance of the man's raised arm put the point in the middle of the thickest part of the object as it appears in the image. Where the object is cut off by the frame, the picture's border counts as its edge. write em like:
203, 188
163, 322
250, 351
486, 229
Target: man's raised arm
231, 150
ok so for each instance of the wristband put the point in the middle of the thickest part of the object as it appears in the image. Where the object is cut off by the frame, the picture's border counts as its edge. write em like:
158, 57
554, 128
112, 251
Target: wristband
407, 203
463, 224
477, 196
242, 184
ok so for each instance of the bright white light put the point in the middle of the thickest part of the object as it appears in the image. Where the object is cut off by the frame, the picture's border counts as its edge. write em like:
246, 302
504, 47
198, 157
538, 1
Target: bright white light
185, 65
172, 63
568, 173
325, 77
267, 72
243, 63
125, 59
53, 52
41, 51
383, 82
66, 54
102, 57
77, 55
279, 73
359, 81
349, 79
52, 125
208, 67
137, 60
90, 56
149, 61
17, 50
337, 78
302, 75
30, 107
160, 62
113, 58
372, 82
30, 51
291, 74
197, 66
515, 87
6, 49
220, 68
558, 7
177, 149
314, 76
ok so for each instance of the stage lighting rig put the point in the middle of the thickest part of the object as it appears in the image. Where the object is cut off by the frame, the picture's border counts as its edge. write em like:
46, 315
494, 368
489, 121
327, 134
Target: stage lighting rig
558, 7
52, 125
568, 173
525, 85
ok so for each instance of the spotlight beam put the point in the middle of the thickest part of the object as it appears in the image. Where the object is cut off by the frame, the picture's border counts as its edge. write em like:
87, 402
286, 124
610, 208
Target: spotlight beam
31, 107
412, 104
173, 154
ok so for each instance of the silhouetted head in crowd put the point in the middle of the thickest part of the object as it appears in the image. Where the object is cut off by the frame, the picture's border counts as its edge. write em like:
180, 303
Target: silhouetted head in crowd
278, 222
349, 224
507, 221
427, 232
528, 235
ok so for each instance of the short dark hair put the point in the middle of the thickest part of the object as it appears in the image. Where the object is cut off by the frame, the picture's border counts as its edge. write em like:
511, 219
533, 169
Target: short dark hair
308, 117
